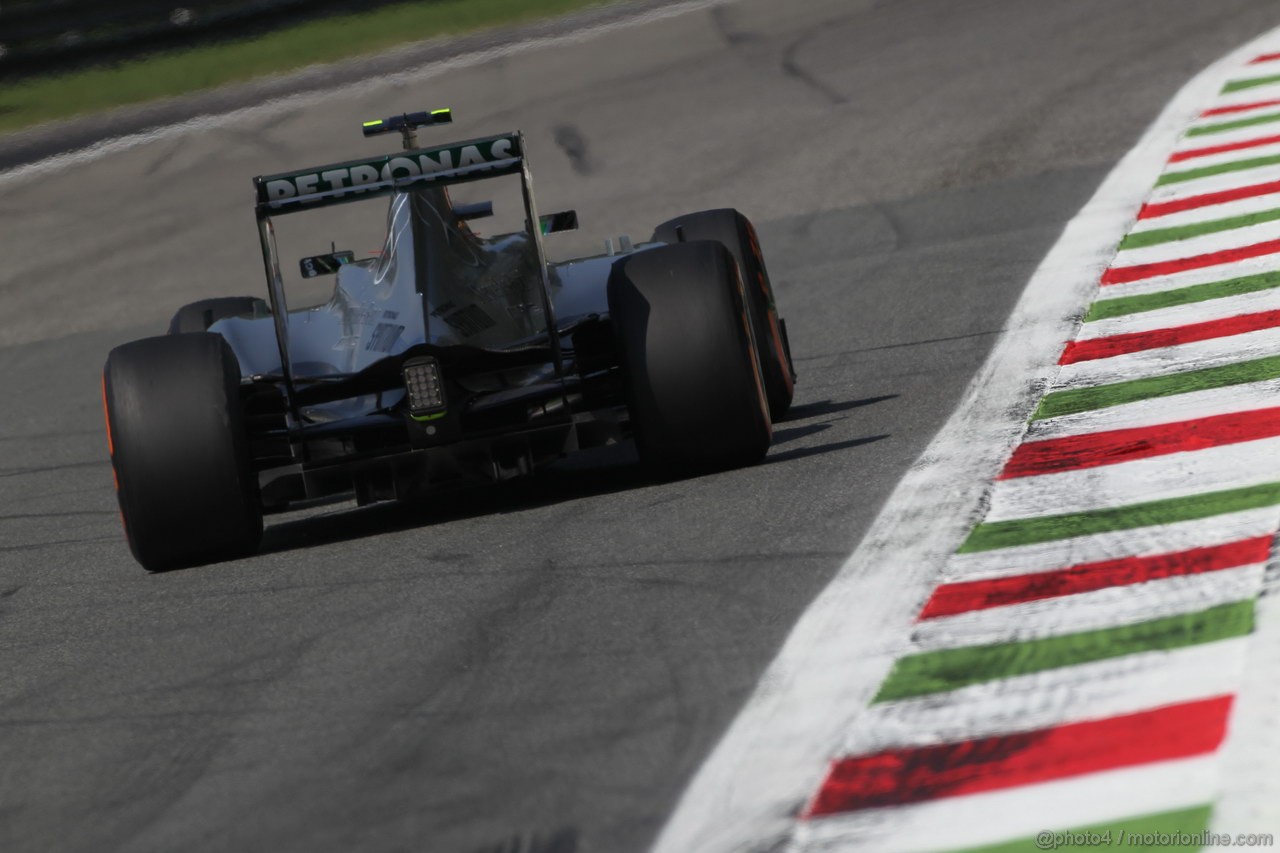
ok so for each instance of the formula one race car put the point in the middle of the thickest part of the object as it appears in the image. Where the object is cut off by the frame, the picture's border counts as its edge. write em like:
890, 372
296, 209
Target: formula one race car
445, 358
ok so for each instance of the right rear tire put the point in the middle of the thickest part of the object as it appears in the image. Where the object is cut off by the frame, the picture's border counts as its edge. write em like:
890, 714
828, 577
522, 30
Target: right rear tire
736, 233
175, 428
693, 380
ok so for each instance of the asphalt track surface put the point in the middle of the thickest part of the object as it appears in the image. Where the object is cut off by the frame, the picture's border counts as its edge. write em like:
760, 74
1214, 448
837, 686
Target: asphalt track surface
548, 662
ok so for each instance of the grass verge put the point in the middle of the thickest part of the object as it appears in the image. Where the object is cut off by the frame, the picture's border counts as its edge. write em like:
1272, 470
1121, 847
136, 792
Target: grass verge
48, 98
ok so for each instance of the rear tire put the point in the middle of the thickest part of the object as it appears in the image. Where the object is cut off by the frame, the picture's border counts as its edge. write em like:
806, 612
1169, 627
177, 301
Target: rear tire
693, 381
199, 316
735, 232
175, 426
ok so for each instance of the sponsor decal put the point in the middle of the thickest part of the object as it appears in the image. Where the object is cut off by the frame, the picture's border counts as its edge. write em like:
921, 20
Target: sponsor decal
347, 181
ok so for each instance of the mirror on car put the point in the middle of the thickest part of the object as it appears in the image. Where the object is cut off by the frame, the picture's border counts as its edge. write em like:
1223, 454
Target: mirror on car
564, 220
479, 210
326, 264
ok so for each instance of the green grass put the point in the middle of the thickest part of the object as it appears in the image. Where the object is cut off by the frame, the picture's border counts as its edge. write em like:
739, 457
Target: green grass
41, 99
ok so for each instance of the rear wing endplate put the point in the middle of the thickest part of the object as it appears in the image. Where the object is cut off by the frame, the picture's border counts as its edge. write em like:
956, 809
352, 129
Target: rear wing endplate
455, 163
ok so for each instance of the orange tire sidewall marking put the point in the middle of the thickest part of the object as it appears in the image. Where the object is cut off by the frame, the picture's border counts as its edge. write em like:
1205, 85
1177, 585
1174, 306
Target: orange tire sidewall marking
106, 415
111, 449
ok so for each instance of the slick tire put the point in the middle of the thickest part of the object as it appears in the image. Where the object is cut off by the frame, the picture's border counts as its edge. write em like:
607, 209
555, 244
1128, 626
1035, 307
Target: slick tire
693, 381
736, 233
175, 429
199, 316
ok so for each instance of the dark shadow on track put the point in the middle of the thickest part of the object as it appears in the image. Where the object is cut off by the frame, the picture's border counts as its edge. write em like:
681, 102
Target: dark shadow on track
590, 473
802, 452
562, 841
922, 343
830, 407
783, 435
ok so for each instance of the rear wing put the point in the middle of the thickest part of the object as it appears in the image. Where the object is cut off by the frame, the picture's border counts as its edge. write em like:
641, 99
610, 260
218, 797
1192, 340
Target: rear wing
354, 180
440, 165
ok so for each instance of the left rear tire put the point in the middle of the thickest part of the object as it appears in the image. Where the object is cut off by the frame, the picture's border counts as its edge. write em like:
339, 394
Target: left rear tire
175, 428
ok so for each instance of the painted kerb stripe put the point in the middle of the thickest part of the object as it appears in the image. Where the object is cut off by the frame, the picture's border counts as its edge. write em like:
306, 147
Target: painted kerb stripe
1072, 400
1241, 108
1251, 83
950, 669
951, 599
1028, 531
897, 777
1153, 210
1090, 450
1137, 272
1156, 236
1096, 348
1105, 309
1220, 169
1208, 151
1223, 127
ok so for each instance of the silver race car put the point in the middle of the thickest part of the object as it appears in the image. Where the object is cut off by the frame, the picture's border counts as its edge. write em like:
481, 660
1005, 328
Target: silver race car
444, 359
